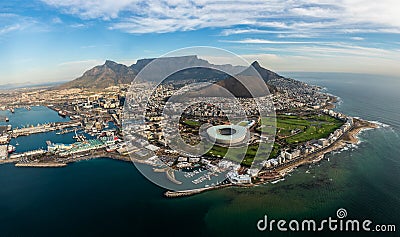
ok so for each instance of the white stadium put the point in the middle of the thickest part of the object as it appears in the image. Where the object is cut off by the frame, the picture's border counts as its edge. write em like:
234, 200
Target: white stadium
227, 134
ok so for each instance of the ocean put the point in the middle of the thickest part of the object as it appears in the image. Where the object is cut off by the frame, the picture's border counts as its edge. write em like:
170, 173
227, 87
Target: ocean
105, 197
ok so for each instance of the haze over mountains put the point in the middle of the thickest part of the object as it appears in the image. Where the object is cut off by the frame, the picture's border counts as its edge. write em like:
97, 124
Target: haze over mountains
103, 76
112, 73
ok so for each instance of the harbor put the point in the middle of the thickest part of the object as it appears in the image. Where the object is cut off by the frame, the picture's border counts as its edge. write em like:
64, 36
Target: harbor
54, 142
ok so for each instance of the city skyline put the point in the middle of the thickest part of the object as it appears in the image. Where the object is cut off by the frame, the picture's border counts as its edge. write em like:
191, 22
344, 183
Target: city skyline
54, 40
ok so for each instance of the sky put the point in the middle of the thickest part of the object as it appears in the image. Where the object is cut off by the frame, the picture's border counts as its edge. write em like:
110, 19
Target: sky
57, 40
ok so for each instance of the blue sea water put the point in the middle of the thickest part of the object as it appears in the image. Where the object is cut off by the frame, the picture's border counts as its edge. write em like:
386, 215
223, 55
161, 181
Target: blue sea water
37, 115
111, 198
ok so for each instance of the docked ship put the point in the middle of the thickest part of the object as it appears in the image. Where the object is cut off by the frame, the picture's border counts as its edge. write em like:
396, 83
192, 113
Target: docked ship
11, 149
62, 113
111, 148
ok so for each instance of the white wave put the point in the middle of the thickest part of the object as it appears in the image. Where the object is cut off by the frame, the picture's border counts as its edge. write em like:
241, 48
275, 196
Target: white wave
355, 146
359, 134
339, 100
380, 124
277, 181
394, 132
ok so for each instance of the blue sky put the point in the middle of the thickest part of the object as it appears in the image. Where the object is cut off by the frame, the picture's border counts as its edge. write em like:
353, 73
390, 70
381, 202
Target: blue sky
53, 40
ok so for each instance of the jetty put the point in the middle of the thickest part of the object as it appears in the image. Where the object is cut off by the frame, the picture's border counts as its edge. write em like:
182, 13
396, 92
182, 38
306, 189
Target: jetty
42, 128
185, 193
41, 165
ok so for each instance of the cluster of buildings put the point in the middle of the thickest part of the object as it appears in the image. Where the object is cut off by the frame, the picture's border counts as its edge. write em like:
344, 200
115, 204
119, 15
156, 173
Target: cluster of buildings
3, 152
236, 178
294, 94
107, 141
4, 140
291, 94
93, 108
4, 134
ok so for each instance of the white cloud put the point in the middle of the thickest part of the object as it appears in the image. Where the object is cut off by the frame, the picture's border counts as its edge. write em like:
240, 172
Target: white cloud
159, 16
263, 41
228, 32
357, 38
57, 20
138, 16
13, 22
297, 35
279, 33
90, 9
78, 25
10, 28
293, 23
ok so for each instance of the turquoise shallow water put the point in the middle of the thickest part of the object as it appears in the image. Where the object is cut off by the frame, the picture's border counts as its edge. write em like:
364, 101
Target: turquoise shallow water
105, 197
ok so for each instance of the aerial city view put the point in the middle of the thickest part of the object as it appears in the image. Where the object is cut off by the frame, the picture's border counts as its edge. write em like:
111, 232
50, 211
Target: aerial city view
197, 118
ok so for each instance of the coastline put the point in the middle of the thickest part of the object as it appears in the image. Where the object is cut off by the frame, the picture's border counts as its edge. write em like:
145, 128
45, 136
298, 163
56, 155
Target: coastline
350, 137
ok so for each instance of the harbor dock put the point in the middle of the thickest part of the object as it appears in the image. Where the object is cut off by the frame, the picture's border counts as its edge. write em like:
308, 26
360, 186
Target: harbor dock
44, 128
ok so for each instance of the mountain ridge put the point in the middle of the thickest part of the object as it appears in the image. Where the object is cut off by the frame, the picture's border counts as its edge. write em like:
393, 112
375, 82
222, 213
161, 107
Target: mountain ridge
112, 73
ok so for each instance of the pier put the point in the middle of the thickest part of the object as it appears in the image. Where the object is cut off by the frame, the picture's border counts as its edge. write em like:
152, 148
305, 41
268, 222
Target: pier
185, 193
44, 128
116, 120
3, 152
43, 158
28, 154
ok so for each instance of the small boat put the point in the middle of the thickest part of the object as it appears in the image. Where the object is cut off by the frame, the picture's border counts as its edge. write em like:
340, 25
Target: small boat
7, 119
62, 113
111, 148
276, 181
11, 149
